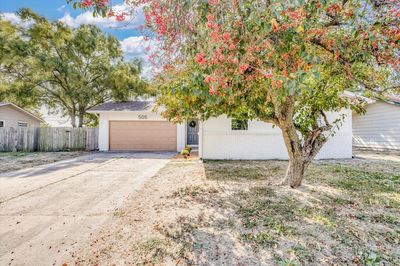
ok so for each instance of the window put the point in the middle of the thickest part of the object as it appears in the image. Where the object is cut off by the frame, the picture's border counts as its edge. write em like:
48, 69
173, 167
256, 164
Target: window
239, 124
2, 124
22, 124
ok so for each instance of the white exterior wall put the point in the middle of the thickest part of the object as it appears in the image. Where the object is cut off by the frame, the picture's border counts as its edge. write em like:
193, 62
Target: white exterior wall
181, 137
105, 117
262, 141
378, 128
340, 145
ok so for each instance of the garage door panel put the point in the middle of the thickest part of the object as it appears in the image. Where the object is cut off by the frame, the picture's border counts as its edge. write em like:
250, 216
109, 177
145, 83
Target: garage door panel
142, 135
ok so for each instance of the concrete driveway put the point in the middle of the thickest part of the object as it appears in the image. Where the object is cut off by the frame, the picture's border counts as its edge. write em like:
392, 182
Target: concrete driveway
49, 211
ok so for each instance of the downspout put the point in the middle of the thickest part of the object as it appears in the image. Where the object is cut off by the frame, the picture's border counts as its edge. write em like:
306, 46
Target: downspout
201, 141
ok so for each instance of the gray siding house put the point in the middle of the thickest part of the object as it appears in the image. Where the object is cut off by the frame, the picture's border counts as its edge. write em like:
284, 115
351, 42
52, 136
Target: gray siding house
379, 127
13, 116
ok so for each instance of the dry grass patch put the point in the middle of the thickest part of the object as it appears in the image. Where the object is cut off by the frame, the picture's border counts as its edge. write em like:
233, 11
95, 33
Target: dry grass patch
234, 213
11, 161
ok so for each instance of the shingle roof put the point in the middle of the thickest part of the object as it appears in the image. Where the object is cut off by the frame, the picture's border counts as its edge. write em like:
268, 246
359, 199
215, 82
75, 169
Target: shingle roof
123, 106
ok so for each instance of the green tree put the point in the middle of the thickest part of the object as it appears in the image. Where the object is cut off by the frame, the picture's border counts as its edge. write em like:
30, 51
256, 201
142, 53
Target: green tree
281, 62
69, 69
12, 46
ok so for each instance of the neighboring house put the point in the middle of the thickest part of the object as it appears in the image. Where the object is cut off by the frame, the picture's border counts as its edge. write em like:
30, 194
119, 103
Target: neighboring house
133, 126
54, 119
379, 127
12, 116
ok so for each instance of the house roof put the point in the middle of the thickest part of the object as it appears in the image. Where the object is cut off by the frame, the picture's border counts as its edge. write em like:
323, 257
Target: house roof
148, 105
21, 110
123, 106
388, 99
393, 100
352, 95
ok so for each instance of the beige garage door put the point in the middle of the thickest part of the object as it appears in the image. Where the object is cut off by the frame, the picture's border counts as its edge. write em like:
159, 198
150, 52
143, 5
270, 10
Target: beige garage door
142, 136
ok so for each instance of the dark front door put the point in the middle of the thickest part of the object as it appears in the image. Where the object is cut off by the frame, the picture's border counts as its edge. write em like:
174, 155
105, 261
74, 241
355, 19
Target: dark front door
192, 132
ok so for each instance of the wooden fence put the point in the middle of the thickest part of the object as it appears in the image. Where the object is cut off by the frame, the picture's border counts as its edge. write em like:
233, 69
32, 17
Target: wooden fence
48, 139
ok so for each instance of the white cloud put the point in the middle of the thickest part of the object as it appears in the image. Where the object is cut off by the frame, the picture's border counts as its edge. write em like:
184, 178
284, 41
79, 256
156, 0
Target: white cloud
130, 22
138, 47
61, 8
134, 46
147, 72
11, 17
15, 19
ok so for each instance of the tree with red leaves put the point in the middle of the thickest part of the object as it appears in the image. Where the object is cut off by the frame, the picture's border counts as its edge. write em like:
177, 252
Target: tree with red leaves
281, 62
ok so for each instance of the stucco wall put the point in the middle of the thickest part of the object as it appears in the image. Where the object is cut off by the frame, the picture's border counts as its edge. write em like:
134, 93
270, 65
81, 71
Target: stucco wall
262, 141
105, 117
11, 116
378, 128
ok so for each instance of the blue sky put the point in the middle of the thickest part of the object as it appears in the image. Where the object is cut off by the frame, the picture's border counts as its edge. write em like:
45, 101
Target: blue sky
50, 8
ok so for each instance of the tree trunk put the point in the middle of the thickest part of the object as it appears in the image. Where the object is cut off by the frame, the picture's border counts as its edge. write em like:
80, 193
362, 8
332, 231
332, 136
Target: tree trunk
73, 120
297, 160
301, 150
300, 154
80, 117
295, 173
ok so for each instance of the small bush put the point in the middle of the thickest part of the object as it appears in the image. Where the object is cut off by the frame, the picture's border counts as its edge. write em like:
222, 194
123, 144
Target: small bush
185, 153
188, 148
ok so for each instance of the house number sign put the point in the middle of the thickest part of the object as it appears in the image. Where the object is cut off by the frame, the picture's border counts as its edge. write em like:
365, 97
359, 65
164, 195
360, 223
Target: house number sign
142, 117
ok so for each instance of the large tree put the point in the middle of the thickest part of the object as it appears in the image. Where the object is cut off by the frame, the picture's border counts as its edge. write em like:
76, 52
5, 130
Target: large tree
71, 70
11, 47
282, 62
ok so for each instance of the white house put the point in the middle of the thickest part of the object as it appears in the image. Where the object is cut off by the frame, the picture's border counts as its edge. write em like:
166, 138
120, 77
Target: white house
131, 126
379, 127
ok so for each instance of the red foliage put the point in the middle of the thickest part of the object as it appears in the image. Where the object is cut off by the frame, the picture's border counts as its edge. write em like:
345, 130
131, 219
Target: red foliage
232, 54
201, 59
87, 3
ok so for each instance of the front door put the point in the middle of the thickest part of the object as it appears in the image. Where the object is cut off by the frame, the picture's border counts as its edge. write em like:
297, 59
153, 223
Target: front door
192, 132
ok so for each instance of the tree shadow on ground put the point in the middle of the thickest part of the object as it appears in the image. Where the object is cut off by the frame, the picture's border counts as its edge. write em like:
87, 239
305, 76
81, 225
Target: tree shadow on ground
247, 219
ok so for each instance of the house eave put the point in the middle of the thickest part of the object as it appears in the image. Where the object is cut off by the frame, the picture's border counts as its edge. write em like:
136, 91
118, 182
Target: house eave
23, 111
117, 111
